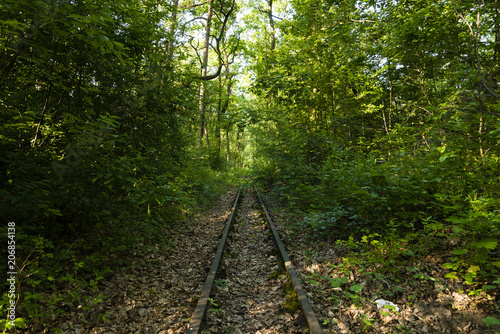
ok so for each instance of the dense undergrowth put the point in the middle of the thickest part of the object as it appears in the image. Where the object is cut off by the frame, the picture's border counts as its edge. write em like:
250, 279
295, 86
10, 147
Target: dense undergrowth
402, 220
98, 146
431, 199
59, 269
409, 271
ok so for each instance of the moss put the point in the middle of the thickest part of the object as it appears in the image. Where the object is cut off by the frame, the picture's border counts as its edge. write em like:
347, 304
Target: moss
291, 304
274, 275
274, 252
194, 301
222, 272
281, 266
229, 255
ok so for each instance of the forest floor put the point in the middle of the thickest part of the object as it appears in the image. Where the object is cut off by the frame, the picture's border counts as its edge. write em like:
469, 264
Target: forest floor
159, 293
343, 287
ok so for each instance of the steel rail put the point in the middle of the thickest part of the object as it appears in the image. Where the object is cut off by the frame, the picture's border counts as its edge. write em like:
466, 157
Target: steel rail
201, 308
312, 321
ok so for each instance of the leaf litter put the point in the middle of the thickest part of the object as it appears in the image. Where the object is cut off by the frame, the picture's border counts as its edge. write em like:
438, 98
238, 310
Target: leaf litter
250, 296
159, 293
344, 297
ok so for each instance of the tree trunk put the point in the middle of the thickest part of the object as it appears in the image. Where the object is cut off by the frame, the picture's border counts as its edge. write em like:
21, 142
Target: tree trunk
271, 23
171, 32
228, 147
204, 67
496, 56
218, 138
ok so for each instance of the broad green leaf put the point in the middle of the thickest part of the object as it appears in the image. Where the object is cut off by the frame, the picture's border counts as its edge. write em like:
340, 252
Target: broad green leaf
20, 323
313, 282
356, 288
335, 282
490, 321
460, 251
449, 266
452, 275
446, 156
473, 269
488, 243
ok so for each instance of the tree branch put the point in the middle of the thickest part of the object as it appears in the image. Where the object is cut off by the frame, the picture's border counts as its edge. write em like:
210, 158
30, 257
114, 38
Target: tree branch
196, 50
217, 48
195, 5
492, 92
471, 110
196, 18
267, 13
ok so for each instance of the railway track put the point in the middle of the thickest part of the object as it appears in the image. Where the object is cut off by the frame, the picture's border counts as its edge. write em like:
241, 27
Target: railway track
252, 286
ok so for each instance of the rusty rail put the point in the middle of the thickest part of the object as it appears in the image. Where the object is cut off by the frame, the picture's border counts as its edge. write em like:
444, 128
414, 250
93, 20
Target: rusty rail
312, 321
200, 311
201, 308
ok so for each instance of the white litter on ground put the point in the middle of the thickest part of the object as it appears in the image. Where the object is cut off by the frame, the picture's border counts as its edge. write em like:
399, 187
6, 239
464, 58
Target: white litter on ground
381, 303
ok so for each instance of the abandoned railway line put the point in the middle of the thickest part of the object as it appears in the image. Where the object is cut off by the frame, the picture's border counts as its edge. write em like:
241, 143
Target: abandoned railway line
252, 286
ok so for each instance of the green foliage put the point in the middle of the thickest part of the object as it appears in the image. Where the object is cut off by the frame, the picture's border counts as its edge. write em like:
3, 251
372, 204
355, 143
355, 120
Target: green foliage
375, 122
477, 235
490, 321
204, 185
97, 143
214, 307
85, 118
324, 223
375, 118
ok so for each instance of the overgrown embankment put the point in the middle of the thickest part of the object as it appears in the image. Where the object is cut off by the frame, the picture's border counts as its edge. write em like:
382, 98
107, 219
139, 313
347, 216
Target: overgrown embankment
428, 274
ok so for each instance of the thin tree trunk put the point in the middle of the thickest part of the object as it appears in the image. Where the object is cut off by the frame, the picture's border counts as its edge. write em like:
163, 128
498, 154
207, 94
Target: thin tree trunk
481, 128
391, 98
207, 123
271, 23
385, 121
171, 32
201, 126
218, 137
228, 146
204, 67
33, 142
238, 148
497, 35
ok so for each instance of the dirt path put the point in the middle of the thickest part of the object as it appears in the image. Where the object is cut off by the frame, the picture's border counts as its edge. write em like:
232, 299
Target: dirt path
250, 296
